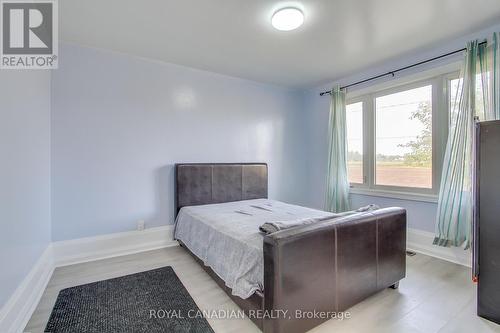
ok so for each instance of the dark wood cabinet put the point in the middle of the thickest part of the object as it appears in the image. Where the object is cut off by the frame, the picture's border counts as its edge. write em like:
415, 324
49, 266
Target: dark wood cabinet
486, 243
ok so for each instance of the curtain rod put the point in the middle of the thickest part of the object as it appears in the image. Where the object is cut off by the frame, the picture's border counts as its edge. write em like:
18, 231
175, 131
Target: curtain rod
399, 70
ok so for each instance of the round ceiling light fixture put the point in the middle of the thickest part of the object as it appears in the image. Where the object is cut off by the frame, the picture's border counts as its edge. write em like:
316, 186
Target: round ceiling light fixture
287, 19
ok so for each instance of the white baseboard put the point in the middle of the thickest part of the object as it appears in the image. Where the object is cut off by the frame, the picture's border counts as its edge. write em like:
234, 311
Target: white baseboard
16, 313
421, 241
80, 250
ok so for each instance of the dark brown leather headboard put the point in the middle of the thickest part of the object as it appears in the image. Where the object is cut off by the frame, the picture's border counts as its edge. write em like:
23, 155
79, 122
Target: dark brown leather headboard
208, 183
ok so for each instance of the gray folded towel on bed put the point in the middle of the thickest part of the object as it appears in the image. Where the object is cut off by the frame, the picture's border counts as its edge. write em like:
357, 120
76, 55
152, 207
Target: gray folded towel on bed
270, 227
366, 208
274, 226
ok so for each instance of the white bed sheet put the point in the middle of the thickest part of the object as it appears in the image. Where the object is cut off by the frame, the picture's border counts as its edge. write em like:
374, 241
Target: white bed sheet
226, 237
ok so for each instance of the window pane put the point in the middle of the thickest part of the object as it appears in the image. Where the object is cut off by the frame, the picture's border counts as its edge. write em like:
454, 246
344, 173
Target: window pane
354, 120
404, 138
455, 88
481, 110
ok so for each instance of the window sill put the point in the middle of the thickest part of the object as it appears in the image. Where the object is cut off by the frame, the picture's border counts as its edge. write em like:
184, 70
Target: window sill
395, 195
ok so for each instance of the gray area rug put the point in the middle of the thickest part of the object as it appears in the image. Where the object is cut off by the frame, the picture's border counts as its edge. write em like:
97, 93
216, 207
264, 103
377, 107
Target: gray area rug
151, 301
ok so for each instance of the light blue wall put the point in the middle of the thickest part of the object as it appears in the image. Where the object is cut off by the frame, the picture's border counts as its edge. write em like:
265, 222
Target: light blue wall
420, 215
119, 123
24, 174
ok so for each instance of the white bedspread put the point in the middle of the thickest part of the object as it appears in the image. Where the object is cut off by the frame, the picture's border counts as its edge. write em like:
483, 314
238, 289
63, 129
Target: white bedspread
226, 237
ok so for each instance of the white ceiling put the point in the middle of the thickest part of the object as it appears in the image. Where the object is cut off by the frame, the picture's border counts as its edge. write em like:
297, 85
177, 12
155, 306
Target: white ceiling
235, 37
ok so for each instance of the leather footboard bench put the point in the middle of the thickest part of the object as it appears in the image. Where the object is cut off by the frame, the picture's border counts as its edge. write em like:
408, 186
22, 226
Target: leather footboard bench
325, 268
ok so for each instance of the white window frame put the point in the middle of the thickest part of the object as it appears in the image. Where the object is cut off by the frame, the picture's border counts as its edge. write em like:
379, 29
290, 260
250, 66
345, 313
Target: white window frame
439, 79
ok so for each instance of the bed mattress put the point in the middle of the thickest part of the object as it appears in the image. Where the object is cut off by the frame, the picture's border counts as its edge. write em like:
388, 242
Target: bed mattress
226, 237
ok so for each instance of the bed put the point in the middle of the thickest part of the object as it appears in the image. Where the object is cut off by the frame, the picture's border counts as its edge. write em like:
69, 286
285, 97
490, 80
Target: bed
314, 270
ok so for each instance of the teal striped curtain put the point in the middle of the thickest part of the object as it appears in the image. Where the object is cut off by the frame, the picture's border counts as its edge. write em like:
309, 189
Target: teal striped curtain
478, 96
489, 89
337, 184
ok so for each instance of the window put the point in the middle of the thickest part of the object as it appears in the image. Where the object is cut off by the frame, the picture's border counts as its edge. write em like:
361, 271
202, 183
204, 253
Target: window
354, 120
403, 147
396, 137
